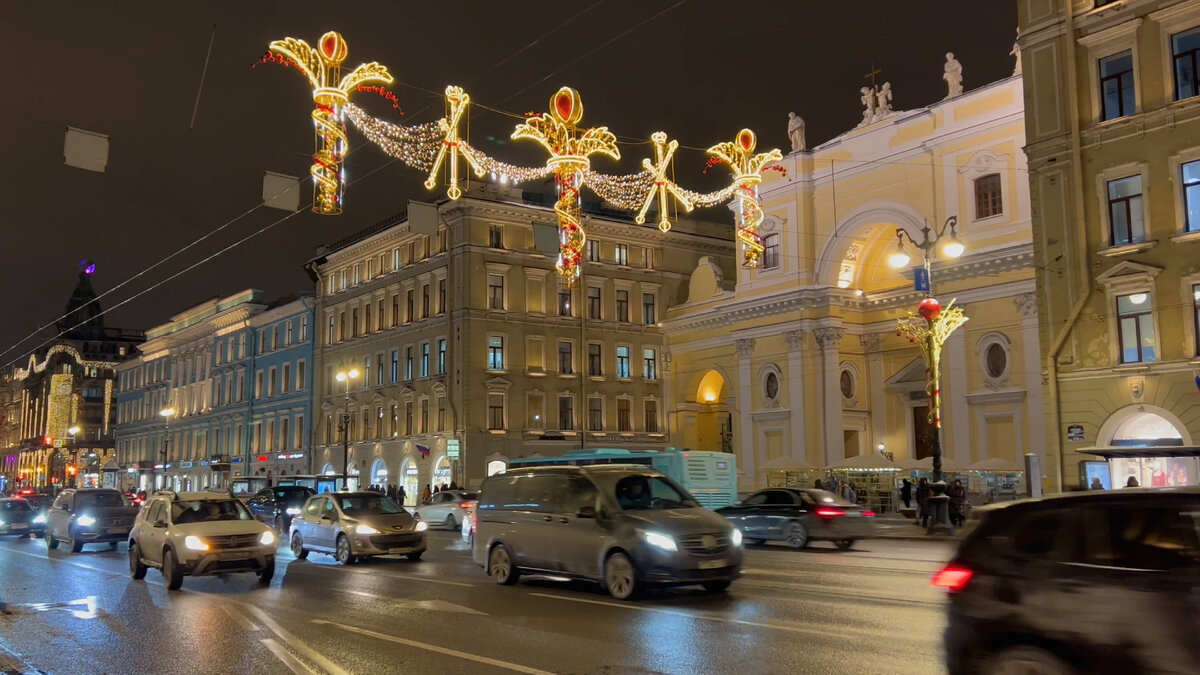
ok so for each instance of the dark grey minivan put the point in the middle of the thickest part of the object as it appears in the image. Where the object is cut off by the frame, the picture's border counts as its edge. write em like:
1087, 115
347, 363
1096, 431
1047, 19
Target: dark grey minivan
626, 526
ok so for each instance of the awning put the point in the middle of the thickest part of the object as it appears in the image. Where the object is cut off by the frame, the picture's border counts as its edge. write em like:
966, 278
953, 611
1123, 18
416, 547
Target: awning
927, 465
786, 464
1143, 453
997, 465
110, 466
865, 462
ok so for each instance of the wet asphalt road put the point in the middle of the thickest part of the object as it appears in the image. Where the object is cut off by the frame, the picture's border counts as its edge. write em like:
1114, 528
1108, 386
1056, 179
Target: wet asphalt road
870, 610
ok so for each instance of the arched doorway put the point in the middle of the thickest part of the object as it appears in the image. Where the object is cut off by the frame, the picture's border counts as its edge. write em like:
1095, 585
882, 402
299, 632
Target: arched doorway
1156, 430
1143, 429
712, 429
496, 466
410, 474
379, 472
441, 471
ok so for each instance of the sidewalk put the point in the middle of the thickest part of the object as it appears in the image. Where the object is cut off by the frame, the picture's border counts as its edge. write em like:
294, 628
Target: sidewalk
895, 527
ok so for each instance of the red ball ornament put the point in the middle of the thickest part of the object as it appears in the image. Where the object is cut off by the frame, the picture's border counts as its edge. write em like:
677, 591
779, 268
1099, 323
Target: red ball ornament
929, 309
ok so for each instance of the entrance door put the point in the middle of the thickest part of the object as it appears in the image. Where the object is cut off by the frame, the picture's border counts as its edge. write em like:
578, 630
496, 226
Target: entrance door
922, 432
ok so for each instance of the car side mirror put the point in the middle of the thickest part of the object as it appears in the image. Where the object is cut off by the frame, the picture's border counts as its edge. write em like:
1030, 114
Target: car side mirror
160, 523
586, 512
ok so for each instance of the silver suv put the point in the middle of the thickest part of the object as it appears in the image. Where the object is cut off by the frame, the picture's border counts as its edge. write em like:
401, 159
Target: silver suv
198, 534
626, 526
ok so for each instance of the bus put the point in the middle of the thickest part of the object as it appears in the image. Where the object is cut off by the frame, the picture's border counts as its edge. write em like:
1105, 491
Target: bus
711, 477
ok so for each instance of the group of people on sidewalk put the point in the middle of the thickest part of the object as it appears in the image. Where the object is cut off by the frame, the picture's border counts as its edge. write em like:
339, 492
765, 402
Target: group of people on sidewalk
923, 494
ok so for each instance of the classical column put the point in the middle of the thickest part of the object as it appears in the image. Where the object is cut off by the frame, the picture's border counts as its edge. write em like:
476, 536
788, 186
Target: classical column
954, 401
795, 380
666, 415
873, 343
833, 442
745, 398
1035, 417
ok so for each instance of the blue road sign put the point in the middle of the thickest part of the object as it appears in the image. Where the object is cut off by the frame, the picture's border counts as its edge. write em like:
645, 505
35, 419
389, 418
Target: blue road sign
921, 279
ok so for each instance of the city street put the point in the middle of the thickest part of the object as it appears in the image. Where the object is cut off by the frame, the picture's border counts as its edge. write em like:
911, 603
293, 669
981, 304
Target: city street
869, 610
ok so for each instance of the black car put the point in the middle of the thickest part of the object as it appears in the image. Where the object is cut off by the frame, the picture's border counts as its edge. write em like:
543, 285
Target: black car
1095, 582
799, 516
275, 506
16, 517
89, 516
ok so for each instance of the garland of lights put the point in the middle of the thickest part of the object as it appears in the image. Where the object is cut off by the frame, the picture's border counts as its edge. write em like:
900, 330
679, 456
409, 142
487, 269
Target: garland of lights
929, 329
437, 147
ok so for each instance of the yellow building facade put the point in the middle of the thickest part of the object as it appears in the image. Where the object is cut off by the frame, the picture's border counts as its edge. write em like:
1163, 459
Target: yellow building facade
1113, 99
798, 362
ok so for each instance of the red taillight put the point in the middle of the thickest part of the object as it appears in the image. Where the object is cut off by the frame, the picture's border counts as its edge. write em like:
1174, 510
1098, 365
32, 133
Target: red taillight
868, 513
952, 578
830, 513
467, 505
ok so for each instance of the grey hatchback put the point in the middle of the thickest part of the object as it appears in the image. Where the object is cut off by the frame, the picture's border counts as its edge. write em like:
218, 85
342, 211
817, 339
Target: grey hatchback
625, 526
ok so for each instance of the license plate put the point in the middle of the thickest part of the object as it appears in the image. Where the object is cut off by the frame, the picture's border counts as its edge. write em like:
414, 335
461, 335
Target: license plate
711, 564
20, 526
399, 550
117, 530
235, 556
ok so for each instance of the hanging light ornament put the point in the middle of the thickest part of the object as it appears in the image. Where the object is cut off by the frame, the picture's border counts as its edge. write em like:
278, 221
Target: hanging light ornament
331, 93
747, 174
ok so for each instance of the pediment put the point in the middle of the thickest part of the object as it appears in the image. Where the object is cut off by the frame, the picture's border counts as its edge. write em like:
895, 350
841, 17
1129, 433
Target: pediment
913, 373
1127, 270
497, 383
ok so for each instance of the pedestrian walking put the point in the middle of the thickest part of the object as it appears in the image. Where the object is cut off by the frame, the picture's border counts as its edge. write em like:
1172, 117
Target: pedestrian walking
958, 503
851, 493
923, 502
426, 494
906, 493
401, 496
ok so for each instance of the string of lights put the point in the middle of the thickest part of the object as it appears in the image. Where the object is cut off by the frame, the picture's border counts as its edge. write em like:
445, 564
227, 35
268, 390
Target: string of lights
416, 146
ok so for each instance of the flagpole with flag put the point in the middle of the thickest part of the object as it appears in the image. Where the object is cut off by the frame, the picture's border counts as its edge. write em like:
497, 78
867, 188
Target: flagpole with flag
424, 450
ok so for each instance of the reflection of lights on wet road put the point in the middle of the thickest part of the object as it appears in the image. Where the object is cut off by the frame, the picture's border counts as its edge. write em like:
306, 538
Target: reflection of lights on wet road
84, 608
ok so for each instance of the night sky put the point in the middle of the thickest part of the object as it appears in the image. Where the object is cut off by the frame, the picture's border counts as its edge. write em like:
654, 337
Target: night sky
700, 71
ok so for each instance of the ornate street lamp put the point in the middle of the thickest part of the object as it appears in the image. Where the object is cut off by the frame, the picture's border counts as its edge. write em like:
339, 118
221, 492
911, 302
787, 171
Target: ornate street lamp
345, 376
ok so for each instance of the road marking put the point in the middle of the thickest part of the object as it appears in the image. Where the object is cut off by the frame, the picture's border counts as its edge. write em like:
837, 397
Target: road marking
433, 605
295, 642
841, 633
399, 575
296, 665
433, 648
240, 618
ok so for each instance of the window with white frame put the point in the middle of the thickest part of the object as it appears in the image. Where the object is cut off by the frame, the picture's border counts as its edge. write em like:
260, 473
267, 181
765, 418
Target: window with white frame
595, 413
593, 302
495, 355
593, 250
621, 254
771, 251
566, 412
301, 372
649, 363
649, 315
424, 359
1185, 56
285, 380
595, 360
623, 362
441, 356
424, 415
1125, 216
1190, 173
623, 418
1116, 86
495, 291
566, 361
395, 366
622, 306
651, 408
496, 236
288, 337
1135, 328
564, 302
408, 363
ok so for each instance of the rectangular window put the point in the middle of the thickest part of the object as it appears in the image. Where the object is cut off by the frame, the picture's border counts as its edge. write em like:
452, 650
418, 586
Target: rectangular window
377, 423
595, 367
495, 358
651, 416
595, 413
593, 301
395, 428
648, 255
408, 363
496, 236
408, 419
441, 356
650, 363
771, 251
258, 384
300, 442
1126, 224
286, 380
649, 316
623, 422
621, 254
412, 252
1196, 315
593, 250
379, 370
395, 366
424, 359
1191, 196
408, 307
1135, 325
262, 341
496, 411
564, 302
495, 291
623, 306
344, 274
987, 196
533, 406
304, 328
565, 365
241, 386
380, 319
1185, 47
441, 413
441, 240
566, 412
284, 436
1116, 86
395, 259
289, 336
354, 322
395, 309
424, 415
424, 299
331, 284
358, 273
425, 247
441, 303
623, 362
301, 371
367, 319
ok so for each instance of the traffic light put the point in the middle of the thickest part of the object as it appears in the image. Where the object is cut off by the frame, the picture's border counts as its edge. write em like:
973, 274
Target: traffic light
71, 469
49, 440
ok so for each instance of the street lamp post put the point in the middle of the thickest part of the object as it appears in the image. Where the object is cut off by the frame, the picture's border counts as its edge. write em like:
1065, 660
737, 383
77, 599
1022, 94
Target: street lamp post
166, 413
74, 456
930, 330
345, 376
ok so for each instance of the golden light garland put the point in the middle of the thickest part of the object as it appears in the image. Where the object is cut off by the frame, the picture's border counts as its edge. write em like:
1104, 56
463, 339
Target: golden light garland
331, 93
663, 152
456, 101
929, 329
747, 174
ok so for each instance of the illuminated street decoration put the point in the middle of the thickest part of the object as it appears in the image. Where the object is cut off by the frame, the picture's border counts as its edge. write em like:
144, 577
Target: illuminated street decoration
331, 93
436, 148
929, 329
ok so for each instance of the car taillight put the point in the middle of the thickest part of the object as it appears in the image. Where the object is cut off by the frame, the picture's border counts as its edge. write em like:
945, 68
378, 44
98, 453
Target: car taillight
830, 513
952, 578
868, 513
467, 505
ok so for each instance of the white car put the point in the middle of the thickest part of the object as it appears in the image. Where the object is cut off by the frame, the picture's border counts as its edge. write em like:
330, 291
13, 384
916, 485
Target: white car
199, 534
448, 507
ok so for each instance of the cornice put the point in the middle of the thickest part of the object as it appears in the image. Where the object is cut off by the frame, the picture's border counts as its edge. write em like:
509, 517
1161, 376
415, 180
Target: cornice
1136, 126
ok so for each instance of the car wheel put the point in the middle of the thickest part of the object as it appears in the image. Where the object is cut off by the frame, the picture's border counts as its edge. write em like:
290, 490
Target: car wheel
298, 549
619, 578
51, 540
1026, 661
451, 523
266, 574
343, 554
76, 545
500, 566
415, 555
797, 536
844, 544
716, 586
136, 569
172, 575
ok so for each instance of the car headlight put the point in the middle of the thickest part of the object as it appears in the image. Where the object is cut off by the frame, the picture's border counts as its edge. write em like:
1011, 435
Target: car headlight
293, 511
365, 529
736, 537
661, 540
41, 518
86, 521
267, 538
194, 543
421, 526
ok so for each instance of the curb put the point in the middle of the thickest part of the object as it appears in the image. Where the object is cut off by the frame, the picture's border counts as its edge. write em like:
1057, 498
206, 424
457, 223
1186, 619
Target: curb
11, 664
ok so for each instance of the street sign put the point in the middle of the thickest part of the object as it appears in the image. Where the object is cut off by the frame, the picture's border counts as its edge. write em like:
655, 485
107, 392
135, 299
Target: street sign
920, 280
452, 448
1075, 433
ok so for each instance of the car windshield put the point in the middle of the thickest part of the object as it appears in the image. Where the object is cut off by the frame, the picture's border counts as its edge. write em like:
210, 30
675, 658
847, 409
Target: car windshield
99, 500
367, 505
293, 497
823, 497
14, 505
470, 496
650, 492
202, 510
